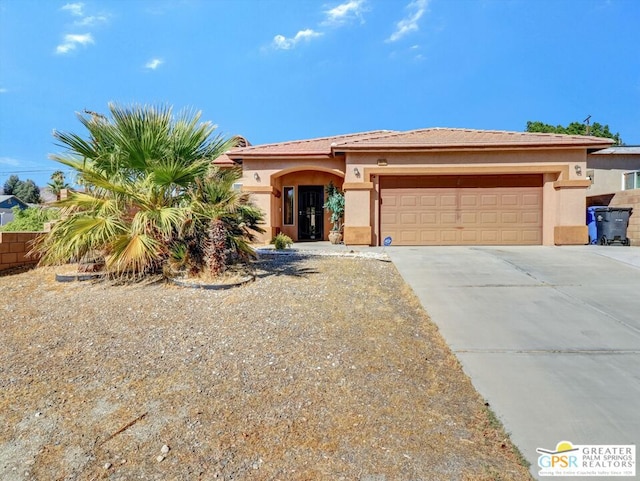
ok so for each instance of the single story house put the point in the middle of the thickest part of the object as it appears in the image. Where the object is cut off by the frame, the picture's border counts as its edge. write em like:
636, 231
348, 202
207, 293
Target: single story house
7, 203
435, 186
615, 182
611, 170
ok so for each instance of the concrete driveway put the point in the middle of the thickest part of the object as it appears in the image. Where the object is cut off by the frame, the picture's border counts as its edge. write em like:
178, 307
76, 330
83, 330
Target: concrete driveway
550, 336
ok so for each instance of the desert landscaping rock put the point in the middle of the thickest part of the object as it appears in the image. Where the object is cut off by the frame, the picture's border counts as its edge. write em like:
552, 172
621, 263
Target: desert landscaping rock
322, 368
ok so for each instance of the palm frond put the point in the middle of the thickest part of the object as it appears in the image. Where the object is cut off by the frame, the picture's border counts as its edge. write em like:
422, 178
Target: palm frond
164, 221
75, 236
174, 171
135, 254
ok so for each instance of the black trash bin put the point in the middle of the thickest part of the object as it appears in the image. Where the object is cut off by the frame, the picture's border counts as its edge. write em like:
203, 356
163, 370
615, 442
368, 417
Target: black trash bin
611, 224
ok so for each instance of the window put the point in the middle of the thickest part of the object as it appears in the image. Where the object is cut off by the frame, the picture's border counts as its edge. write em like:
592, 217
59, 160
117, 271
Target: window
289, 206
631, 180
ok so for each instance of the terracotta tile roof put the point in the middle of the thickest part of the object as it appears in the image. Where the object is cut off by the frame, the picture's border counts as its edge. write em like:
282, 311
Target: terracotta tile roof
423, 139
435, 138
224, 161
310, 147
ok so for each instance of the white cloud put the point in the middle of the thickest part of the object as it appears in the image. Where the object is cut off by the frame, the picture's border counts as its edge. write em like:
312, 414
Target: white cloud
335, 17
3, 90
91, 20
75, 9
283, 43
154, 63
71, 42
306, 34
345, 12
9, 161
409, 23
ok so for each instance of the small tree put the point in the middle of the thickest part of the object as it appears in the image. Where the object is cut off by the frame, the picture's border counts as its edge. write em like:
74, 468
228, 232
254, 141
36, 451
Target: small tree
575, 128
10, 185
28, 192
151, 196
335, 205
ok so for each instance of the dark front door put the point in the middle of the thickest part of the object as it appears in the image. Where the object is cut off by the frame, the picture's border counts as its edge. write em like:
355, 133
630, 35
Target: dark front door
310, 212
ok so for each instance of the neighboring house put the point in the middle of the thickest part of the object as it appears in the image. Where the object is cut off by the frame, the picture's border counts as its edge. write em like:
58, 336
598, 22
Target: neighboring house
437, 186
612, 170
615, 176
7, 203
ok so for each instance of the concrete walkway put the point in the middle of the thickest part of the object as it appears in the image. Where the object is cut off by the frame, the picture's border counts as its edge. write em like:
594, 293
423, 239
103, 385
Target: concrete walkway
550, 336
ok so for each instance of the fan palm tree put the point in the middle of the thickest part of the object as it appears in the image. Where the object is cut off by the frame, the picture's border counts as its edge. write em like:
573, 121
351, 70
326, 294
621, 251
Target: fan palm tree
57, 184
147, 178
222, 222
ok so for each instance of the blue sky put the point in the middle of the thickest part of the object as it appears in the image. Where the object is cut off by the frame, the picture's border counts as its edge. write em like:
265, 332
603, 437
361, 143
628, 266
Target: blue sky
276, 70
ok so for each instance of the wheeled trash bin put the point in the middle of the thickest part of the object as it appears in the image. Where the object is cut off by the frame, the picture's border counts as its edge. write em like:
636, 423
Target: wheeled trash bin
611, 225
591, 223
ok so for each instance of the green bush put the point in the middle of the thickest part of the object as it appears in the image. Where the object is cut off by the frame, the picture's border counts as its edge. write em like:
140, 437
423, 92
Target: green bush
31, 219
281, 241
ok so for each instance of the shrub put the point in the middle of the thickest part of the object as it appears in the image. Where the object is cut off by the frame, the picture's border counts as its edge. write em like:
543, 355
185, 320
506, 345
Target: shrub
281, 241
30, 220
335, 205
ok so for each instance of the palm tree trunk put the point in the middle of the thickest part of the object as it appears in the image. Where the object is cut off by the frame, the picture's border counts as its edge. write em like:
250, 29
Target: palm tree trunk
216, 245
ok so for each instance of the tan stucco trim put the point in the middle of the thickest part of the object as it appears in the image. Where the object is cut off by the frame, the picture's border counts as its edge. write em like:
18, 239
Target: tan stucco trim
571, 235
357, 235
561, 169
563, 184
357, 186
307, 167
258, 189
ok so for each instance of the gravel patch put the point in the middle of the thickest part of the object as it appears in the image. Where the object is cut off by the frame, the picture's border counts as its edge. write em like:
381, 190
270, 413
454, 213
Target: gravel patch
323, 368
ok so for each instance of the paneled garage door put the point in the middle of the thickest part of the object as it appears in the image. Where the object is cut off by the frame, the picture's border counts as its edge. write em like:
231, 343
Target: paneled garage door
462, 210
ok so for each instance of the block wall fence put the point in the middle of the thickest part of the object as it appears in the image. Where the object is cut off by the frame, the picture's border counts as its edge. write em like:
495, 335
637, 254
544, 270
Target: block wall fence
14, 247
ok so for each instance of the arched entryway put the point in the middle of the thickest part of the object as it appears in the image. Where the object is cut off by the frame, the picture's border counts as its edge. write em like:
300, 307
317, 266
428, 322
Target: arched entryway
299, 209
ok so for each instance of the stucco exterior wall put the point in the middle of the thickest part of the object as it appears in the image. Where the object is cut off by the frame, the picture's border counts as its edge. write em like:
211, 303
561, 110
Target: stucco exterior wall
564, 184
563, 172
608, 170
296, 179
274, 174
14, 247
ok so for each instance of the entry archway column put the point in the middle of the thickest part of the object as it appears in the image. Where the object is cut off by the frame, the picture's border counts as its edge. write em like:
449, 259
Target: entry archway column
358, 213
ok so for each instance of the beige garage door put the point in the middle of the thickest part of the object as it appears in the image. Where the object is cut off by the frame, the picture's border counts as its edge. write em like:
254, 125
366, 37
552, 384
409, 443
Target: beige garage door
462, 210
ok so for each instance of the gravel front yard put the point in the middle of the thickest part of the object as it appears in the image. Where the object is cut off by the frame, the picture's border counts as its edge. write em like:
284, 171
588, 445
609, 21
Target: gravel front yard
324, 368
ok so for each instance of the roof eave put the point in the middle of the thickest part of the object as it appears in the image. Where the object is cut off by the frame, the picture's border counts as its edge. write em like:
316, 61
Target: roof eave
279, 155
462, 147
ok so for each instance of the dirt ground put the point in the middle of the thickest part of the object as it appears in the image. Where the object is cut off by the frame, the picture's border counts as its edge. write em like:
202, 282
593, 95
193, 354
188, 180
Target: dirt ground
323, 368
